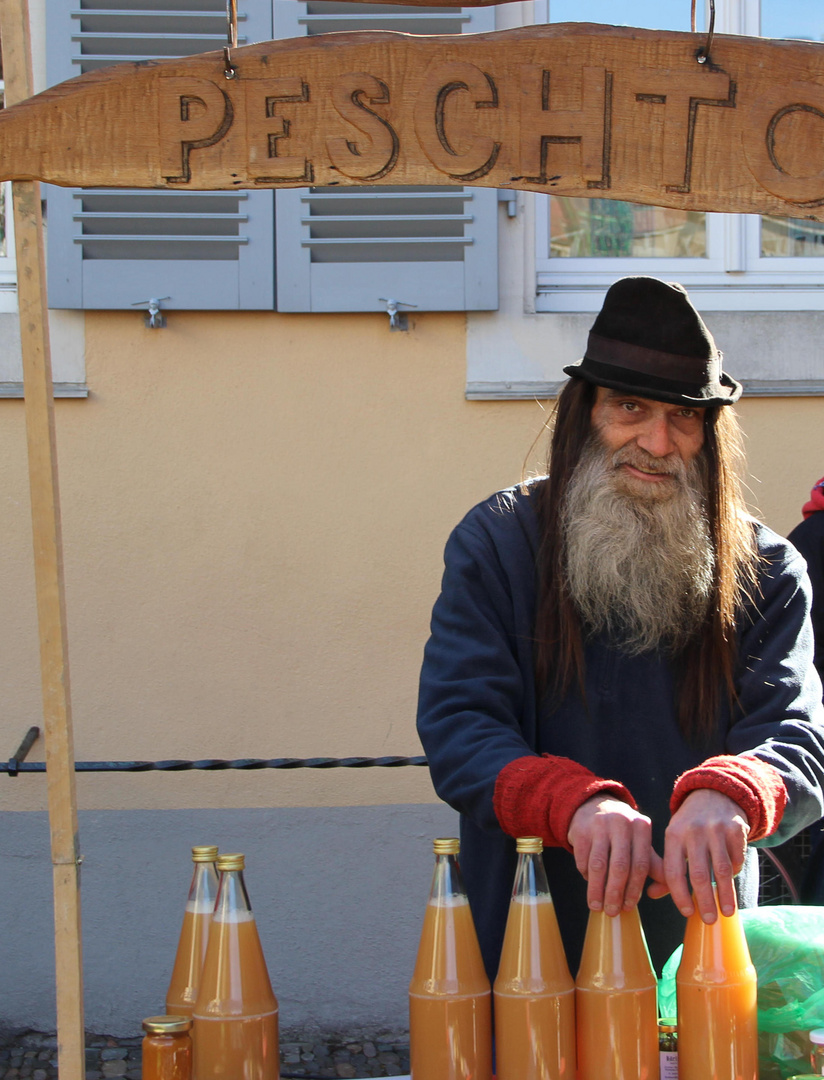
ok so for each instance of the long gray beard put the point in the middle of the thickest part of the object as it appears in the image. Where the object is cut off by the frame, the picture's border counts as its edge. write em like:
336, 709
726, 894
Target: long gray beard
639, 564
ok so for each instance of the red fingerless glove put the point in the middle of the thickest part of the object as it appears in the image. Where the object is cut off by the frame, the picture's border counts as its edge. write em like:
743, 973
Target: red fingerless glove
537, 796
755, 785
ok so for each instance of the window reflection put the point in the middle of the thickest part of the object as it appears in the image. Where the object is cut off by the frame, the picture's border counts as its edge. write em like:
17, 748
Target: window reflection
606, 228
783, 237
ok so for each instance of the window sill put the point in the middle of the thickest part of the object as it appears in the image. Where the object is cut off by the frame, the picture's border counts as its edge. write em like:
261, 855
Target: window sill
542, 391
61, 390
8, 299
735, 296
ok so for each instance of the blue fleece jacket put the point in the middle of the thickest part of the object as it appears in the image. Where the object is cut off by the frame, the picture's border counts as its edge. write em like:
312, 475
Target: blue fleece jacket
479, 709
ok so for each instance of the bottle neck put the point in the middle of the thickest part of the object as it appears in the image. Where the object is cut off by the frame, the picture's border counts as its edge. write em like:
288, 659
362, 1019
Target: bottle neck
715, 952
232, 904
203, 891
447, 883
530, 878
615, 955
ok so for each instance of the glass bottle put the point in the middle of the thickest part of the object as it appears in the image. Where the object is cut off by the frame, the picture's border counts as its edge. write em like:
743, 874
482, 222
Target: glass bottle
167, 1048
668, 1048
236, 1014
194, 934
717, 1002
533, 993
450, 1013
616, 1001
817, 1051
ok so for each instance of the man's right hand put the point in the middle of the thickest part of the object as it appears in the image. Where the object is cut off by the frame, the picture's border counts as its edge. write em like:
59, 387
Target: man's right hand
612, 844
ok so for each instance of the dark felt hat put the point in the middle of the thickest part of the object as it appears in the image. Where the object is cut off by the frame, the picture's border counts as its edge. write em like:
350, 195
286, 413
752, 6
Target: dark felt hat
649, 340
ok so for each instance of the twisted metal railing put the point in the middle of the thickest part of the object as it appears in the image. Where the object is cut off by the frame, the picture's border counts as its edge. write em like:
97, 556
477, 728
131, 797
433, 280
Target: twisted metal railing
17, 763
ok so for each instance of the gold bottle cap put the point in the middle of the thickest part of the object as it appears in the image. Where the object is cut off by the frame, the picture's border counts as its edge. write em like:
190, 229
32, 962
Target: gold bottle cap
166, 1025
446, 846
668, 1023
230, 862
204, 853
529, 845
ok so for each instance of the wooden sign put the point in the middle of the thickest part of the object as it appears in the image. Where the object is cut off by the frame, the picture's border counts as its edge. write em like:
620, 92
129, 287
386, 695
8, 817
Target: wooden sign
572, 109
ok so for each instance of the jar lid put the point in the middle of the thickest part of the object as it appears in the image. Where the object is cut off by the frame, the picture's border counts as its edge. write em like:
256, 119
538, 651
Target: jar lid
817, 1035
529, 845
230, 862
668, 1024
166, 1025
446, 845
204, 853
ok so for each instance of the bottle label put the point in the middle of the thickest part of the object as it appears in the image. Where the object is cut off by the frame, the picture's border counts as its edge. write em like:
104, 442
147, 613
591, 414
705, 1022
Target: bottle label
669, 1064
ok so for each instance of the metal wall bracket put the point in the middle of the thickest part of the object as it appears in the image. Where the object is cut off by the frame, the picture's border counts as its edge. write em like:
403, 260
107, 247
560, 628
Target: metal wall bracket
22, 751
153, 318
398, 320
505, 195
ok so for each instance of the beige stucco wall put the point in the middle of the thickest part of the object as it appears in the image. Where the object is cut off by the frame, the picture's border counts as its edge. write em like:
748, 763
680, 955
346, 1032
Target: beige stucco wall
254, 509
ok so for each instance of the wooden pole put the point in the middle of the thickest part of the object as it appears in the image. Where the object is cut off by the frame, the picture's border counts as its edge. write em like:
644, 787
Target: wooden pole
48, 567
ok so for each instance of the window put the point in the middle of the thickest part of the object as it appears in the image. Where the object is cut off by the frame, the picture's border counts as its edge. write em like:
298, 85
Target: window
434, 248
310, 249
115, 249
758, 280
729, 262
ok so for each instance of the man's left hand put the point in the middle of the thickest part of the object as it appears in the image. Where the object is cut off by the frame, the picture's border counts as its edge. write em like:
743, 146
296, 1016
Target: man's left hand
705, 840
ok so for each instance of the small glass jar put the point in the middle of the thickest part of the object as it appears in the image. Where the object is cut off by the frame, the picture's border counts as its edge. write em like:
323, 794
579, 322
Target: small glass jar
668, 1048
167, 1048
817, 1051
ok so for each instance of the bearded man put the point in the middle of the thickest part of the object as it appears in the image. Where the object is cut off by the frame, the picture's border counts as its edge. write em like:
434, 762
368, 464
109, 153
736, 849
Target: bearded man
621, 656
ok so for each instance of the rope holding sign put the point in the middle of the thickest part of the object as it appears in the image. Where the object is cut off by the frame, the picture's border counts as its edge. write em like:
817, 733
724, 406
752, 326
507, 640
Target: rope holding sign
231, 39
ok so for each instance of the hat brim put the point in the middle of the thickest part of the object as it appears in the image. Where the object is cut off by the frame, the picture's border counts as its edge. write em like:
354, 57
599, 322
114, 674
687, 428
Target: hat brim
725, 390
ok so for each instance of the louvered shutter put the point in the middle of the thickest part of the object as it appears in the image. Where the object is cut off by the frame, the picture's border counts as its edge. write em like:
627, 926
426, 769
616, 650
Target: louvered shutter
350, 249
112, 249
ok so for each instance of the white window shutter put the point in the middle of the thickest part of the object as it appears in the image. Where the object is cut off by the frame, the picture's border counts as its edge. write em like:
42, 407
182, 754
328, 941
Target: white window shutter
114, 248
351, 249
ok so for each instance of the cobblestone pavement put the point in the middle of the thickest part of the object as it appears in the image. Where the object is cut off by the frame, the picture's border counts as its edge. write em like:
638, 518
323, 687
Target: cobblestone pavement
33, 1056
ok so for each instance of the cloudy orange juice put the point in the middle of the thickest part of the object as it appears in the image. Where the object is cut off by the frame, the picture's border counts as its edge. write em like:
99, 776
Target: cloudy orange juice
450, 1021
616, 1001
533, 993
716, 988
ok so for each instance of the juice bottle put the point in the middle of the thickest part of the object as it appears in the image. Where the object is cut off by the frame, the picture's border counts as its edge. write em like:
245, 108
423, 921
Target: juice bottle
194, 934
534, 994
616, 1001
668, 1048
817, 1051
717, 1002
167, 1048
450, 1013
236, 1014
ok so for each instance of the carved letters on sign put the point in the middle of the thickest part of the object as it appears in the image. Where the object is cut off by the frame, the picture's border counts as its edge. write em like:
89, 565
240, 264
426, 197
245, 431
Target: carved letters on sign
573, 109
196, 114
454, 148
374, 152
543, 124
779, 148
680, 97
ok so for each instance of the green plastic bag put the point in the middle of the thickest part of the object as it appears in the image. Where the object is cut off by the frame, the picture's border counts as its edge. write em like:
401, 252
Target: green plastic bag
786, 944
